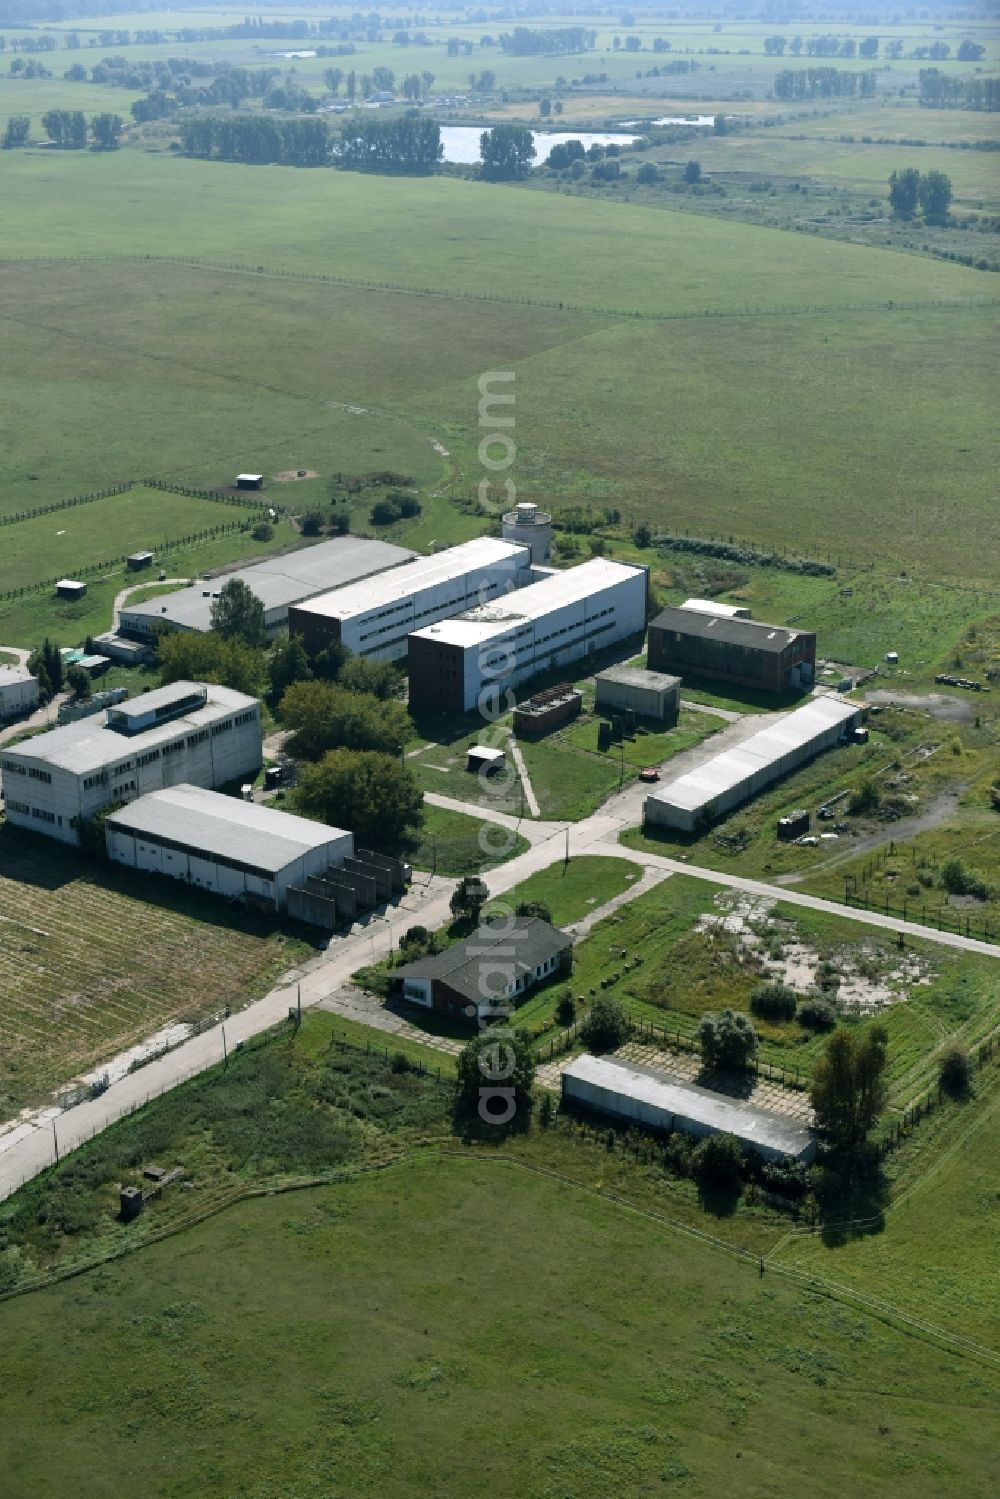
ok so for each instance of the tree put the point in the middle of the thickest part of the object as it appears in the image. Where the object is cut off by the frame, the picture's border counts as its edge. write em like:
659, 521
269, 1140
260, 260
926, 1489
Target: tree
468, 898
406, 145
903, 189
379, 678
189, 656
333, 78
496, 1072
727, 1040
324, 716
642, 535
607, 1026
774, 46
78, 682
955, 1071
773, 1000
507, 152
720, 125
106, 130
288, 663
868, 47
544, 107
536, 908
648, 172
238, 614
692, 172
848, 1090
816, 1012
718, 1161
16, 132
934, 193
970, 51
53, 663
372, 795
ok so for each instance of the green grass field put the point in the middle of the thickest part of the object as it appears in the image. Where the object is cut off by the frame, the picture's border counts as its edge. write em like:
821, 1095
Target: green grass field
571, 891
381, 1370
452, 843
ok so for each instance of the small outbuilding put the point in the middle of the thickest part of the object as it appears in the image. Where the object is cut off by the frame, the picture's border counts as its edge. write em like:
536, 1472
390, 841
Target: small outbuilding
490, 973
484, 759
249, 481
648, 694
638, 1095
136, 561
70, 588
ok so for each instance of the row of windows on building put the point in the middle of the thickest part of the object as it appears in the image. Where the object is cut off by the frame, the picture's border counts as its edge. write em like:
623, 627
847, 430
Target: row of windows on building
440, 608
26, 810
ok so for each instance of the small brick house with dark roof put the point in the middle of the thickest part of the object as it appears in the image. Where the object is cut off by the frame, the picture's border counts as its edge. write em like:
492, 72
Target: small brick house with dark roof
489, 973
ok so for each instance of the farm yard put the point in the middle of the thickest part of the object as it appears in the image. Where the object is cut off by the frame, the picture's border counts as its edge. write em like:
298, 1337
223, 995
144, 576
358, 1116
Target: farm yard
89, 966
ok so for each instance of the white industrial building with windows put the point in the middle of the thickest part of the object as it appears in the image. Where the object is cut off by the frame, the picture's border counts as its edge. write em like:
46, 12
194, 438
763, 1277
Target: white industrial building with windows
277, 581
374, 618
732, 777
18, 692
187, 732
235, 849
567, 617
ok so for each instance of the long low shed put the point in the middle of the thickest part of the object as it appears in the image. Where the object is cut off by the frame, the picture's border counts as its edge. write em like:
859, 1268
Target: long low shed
732, 777
626, 1091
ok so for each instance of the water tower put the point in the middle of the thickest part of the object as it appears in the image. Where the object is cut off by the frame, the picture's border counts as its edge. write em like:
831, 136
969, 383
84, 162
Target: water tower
530, 527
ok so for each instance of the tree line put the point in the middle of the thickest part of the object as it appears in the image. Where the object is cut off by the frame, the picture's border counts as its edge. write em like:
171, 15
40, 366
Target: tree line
257, 140
68, 129
823, 83
930, 190
939, 91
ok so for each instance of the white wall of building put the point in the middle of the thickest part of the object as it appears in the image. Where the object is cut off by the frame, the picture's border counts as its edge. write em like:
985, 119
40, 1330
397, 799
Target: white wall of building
18, 693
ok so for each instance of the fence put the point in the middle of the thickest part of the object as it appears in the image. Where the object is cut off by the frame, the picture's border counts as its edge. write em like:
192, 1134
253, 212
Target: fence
645, 1030
929, 1100
964, 925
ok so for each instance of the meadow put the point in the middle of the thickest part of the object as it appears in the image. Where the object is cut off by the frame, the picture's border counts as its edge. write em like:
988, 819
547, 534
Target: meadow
352, 1369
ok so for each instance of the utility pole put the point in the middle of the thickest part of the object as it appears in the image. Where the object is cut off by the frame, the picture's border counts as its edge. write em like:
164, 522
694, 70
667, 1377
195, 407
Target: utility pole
55, 1141
298, 1001
225, 1054
567, 845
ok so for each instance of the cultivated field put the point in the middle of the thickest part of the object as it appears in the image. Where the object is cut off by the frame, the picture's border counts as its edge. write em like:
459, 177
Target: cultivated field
91, 963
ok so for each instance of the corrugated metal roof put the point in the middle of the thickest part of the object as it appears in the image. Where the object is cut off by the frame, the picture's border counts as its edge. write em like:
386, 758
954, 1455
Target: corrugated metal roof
218, 825
277, 581
89, 744
734, 766
572, 586
750, 633
755, 1127
419, 572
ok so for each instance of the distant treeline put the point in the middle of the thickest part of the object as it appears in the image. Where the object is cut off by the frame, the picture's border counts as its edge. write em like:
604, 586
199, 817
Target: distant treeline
823, 83
522, 42
257, 140
940, 91
734, 551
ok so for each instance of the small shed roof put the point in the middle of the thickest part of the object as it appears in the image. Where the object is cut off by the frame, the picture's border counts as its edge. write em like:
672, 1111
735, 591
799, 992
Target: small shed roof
635, 676
485, 752
524, 944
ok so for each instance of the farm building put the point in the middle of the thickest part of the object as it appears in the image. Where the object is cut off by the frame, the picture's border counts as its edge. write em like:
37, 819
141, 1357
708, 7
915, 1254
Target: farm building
712, 606
476, 657
125, 652
374, 618
528, 526
489, 973
249, 481
136, 561
649, 694
234, 848
70, 588
547, 710
18, 692
277, 581
772, 658
733, 776
188, 732
644, 1097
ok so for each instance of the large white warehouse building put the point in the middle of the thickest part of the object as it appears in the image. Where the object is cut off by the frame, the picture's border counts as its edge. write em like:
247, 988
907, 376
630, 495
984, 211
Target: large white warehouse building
236, 849
641, 1096
187, 732
729, 778
277, 581
484, 651
374, 618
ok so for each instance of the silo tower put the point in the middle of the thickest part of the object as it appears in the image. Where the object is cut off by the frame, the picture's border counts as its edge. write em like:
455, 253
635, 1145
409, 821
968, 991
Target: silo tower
530, 527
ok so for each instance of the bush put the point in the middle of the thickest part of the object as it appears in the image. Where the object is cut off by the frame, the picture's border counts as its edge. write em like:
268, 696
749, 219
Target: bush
958, 880
718, 1161
546, 1112
263, 532
566, 1009
774, 1000
607, 1026
727, 1039
536, 908
865, 800
312, 523
955, 1071
817, 1013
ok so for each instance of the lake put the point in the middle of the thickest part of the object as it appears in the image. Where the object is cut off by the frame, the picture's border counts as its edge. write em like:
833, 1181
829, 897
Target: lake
461, 142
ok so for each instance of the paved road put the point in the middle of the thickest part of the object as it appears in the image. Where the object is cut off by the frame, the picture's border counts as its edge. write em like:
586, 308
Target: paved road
323, 978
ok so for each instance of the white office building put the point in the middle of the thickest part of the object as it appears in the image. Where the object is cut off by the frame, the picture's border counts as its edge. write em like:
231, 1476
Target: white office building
277, 581
188, 732
236, 849
566, 618
375, 617
18, 692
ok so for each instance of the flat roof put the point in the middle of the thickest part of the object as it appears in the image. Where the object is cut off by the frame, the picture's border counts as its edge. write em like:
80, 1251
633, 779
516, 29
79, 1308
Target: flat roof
278, 581
733, 766
712, 606
11, 675
70, 583
749, 633
714, 1110
419, 572
88, 744
636, 676
572, 586
224, 826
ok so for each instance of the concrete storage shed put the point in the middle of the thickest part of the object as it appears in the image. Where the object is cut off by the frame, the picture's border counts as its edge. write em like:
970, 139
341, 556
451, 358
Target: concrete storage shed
277, 581
374, 618
737, 774
70, 588
18, 692
647, 1098
650, 694
236, 849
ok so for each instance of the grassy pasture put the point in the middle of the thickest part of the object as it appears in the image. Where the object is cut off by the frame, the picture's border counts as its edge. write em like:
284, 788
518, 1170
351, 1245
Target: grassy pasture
92, 960
890, 119
450, 842
144, 1358
571, 891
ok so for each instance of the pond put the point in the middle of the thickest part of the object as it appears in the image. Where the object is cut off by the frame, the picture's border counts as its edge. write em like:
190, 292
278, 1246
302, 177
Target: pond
461, 142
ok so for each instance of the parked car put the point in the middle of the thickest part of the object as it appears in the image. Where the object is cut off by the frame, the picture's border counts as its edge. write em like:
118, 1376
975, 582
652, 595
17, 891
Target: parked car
649, 774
